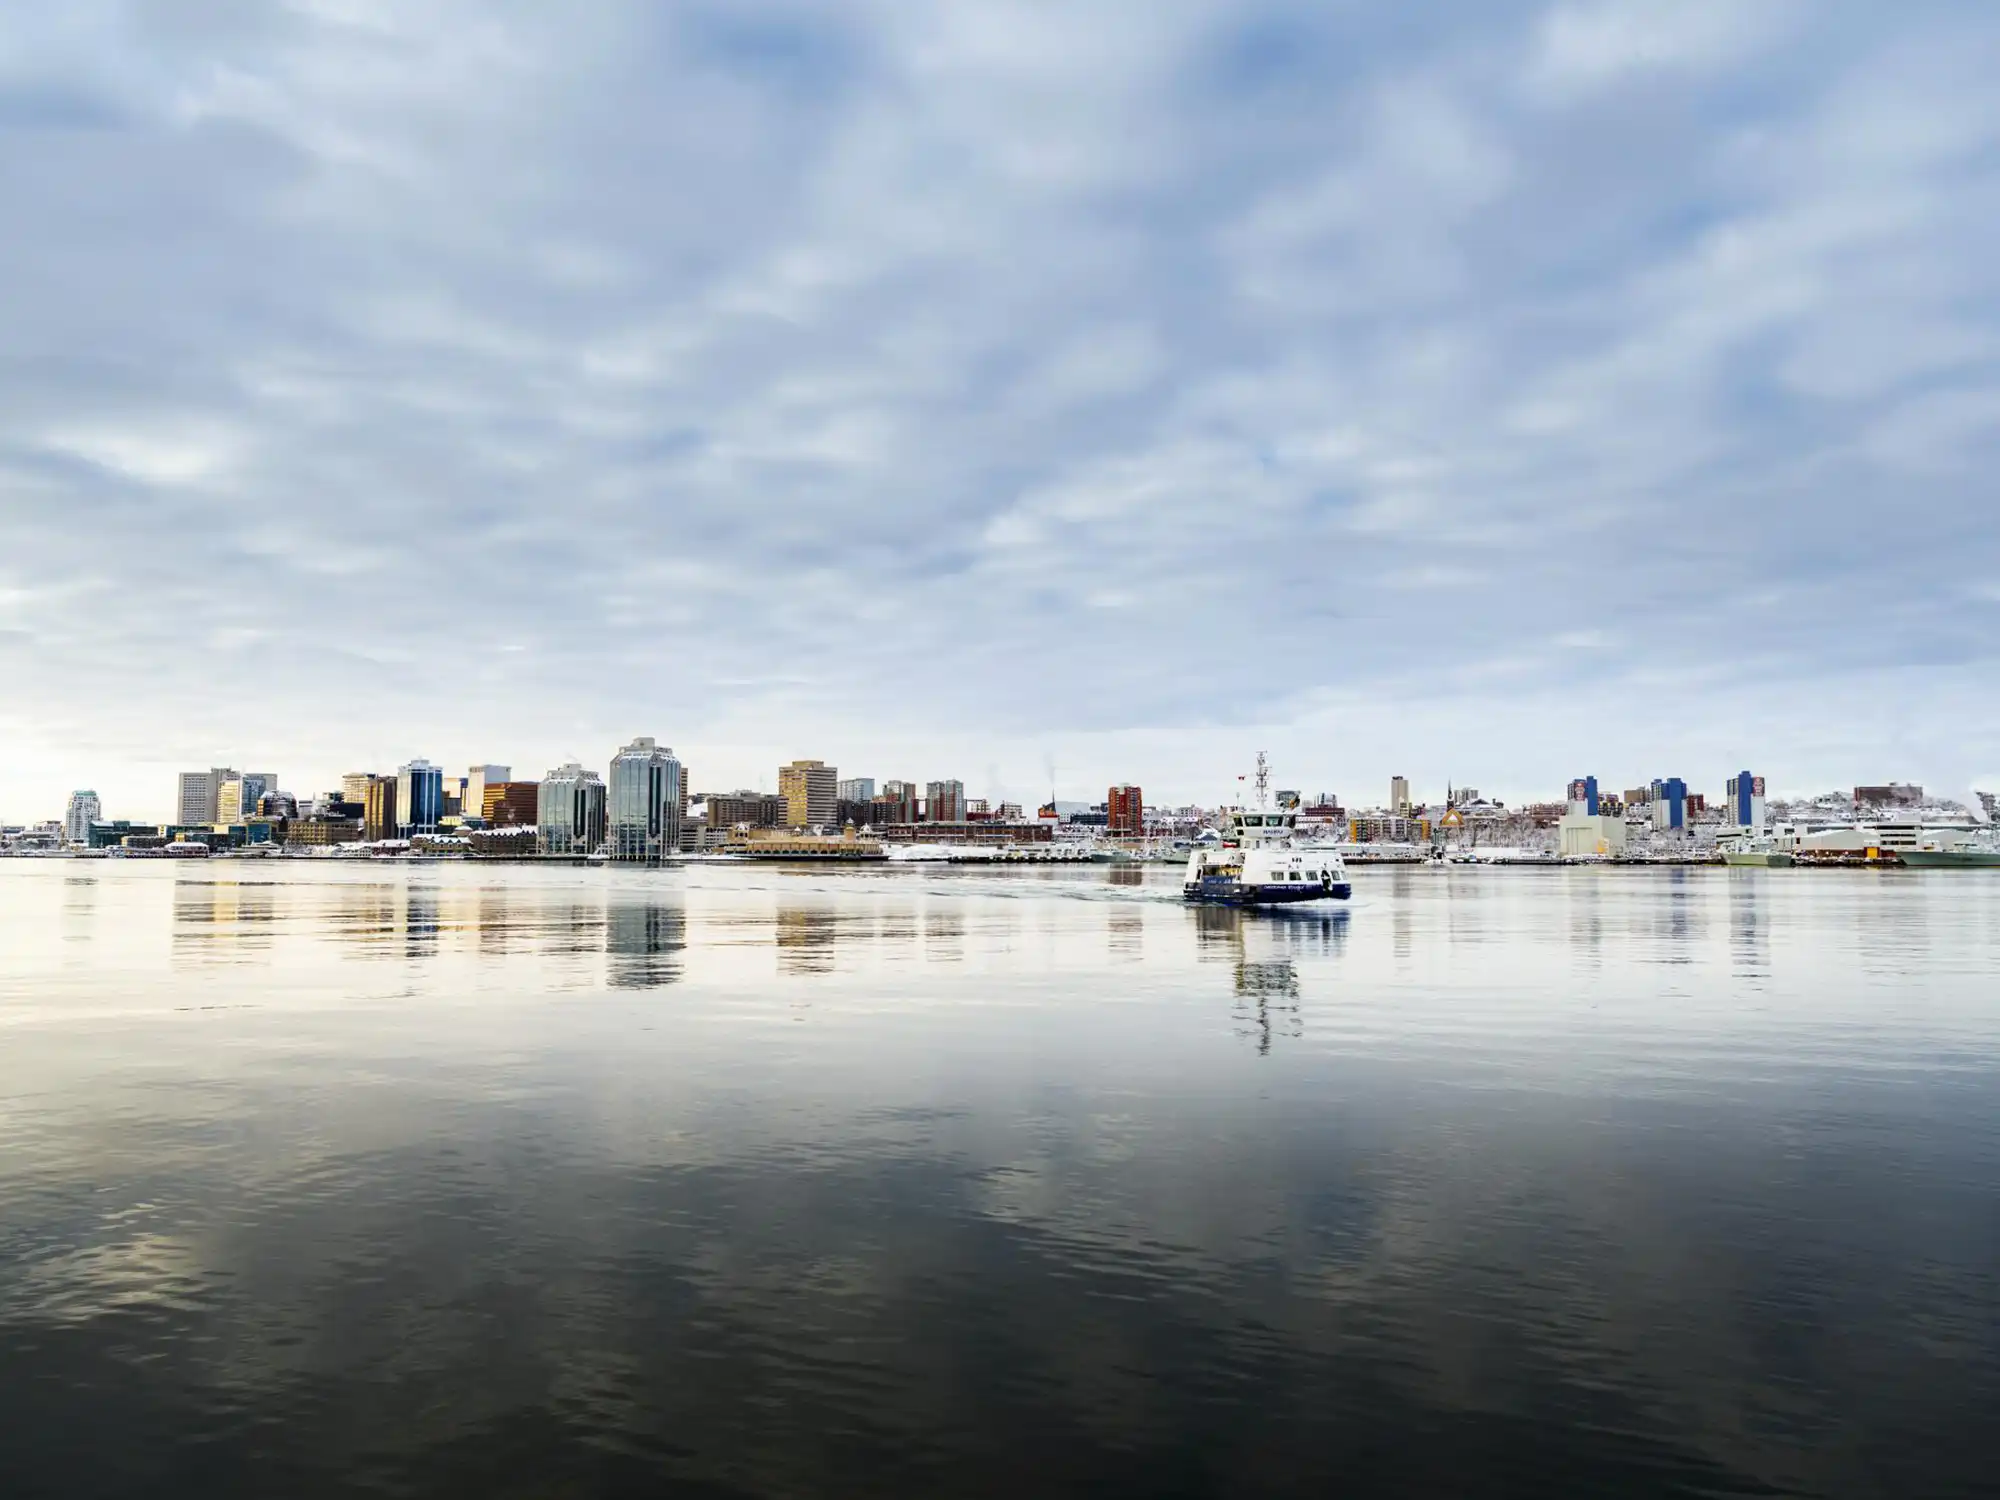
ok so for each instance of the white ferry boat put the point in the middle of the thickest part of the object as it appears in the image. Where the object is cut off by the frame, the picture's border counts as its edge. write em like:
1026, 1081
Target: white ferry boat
1259, 861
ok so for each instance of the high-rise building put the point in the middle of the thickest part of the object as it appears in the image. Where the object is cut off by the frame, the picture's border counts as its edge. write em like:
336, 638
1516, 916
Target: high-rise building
237, 796
510, 804
811, 790
1399, 796
195, 806
472, 802
896, 803
569, 814
1670, 796
1745, 797
858, 789
378, 820
643, 801
419, 798
83, 810
745, 809
354, 786
944, 802
1125, 812
1583, 796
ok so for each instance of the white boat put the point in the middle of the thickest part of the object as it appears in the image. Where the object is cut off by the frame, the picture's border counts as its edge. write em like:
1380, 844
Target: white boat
1259, 860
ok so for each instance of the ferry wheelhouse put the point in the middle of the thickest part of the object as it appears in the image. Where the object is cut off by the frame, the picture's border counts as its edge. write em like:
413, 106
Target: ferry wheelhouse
1259, 862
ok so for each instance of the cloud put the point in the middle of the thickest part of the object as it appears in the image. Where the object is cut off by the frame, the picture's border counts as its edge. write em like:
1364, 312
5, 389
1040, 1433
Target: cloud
957, 385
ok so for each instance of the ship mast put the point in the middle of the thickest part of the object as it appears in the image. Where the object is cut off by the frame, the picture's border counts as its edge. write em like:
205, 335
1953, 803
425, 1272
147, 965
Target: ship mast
1263, 781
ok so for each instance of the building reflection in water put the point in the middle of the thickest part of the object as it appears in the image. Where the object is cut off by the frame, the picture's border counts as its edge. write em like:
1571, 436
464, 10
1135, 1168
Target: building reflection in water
944, 934
1749, 944
644, 942
806, 936
1126, 929
420, 922
1126, 875
222, 921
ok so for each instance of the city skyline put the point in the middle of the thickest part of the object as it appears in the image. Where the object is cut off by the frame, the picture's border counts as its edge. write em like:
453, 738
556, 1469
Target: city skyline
1577, 382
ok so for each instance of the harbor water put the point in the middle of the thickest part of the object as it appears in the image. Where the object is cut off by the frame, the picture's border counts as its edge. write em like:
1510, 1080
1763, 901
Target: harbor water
340, 1177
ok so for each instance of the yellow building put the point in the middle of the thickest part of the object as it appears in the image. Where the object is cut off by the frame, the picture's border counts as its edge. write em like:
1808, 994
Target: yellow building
811, 790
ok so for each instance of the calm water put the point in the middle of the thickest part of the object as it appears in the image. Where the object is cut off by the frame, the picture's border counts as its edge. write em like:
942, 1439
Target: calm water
520, 1182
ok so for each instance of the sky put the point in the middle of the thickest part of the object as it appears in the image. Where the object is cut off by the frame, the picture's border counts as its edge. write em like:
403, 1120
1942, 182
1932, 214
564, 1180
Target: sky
1028, 393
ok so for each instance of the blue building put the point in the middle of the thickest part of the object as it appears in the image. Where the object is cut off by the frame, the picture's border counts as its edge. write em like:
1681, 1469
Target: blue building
1746, 800
419, 798
1583, 793
1670, 804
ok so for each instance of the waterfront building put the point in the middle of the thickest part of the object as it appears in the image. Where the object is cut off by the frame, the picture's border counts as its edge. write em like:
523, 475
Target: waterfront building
1384, 828
83, 810
1399, 796
1583, 796
354, 785
858, 789
643, 802
1744, 801
379, 808
944, 802
745, 808
419, 798
510, 804
472, 803
1670, 804
1125, 811
569, 813
811, 790
237, 796
896, 803
1583, 835
1009, 812
199, 792
325, 828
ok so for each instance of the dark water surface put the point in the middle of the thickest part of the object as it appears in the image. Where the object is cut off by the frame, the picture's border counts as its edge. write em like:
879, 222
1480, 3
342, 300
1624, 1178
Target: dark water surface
350, 1178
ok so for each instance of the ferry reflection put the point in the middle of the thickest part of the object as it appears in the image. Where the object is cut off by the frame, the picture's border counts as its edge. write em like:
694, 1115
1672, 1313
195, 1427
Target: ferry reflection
806, 936
1262, 947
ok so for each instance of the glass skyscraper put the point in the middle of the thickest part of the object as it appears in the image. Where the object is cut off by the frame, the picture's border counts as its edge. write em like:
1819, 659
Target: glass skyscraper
419, 797
644, 799
569, 812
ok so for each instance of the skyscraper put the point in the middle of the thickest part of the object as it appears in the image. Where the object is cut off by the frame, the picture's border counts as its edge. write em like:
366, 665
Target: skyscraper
858, 789
83, 810
643, 800
199, 790
237, 796
1125, 811
944, 802
1746, 801
1583, 796
419, 798
811, 790
1670, 804
354, 786
379, 808
569, 813
472, 803
1399, 796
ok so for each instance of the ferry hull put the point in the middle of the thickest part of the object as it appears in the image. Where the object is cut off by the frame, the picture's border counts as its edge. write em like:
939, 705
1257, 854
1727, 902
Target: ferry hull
1235, 893
1949, 859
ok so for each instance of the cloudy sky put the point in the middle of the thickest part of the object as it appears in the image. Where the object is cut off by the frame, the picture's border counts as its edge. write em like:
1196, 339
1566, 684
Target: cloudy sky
1488, 392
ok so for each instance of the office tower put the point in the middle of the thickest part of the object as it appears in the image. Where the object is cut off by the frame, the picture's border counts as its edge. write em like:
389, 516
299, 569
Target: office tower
83, 810
569, 813
1583, 796
237, 796
1745, 797
1669, 799
378, 801
643, 801
510, 804
944, 802
1399, 796
1125, 811
811, 790
858, 789
199, 791
419, 798
354, 785
473, 801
